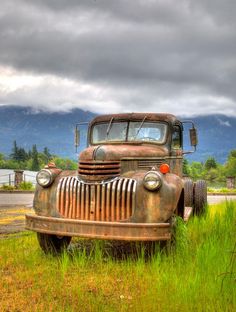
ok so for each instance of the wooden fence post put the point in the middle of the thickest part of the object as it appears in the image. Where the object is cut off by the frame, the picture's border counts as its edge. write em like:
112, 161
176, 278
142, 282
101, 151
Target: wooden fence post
230, 182
18, 177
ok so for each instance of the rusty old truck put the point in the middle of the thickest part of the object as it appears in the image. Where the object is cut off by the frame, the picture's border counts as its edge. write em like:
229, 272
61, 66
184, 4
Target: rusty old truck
129, 185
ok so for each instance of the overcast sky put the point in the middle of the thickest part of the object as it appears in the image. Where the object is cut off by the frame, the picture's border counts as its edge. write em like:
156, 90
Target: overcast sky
119, 55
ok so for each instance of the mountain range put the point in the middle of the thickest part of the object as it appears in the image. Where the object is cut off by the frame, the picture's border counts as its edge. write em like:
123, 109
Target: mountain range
56, 131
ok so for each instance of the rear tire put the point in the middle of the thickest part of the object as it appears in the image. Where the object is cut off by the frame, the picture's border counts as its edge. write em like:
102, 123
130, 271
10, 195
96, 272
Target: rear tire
200, 197
188, 193
52, 243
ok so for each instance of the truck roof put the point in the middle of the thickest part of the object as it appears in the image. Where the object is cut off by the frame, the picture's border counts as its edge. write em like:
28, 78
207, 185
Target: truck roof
137, 116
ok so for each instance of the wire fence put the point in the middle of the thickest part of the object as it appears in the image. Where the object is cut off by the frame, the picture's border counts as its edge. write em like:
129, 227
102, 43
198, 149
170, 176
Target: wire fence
8, 178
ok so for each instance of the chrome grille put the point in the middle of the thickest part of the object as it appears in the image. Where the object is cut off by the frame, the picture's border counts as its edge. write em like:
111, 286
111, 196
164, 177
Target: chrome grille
105, 169
111, 201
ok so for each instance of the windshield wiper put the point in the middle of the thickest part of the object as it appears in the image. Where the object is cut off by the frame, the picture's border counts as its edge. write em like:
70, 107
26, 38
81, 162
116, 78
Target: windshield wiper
140, 127
109, 128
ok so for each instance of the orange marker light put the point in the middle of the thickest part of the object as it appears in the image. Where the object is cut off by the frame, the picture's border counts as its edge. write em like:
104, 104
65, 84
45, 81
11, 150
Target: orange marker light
164, 168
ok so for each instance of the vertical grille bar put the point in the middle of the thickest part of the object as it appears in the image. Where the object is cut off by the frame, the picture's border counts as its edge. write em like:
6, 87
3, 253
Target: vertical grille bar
112, 201
98, 203
79, 213
123, 200
75, 186
118, 200
133, 197
108, 191
103, 204
71, 199
82, 202
86, 202
67, 197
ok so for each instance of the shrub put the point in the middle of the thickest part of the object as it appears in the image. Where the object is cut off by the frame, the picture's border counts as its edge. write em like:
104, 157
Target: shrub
6, 187
26, 186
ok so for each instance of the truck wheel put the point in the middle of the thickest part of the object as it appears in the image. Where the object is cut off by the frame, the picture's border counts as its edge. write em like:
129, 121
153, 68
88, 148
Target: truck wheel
200, 197
52, 243
188, 193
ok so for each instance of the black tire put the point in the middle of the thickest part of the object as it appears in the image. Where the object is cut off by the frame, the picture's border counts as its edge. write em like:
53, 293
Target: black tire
52, 243
188, 193
200, 197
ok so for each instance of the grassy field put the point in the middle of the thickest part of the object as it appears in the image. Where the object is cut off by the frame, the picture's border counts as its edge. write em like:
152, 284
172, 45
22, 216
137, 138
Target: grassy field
199, 275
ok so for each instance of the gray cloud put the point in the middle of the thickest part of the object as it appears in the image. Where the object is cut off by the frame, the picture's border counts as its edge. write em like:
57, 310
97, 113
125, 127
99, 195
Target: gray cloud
120, 55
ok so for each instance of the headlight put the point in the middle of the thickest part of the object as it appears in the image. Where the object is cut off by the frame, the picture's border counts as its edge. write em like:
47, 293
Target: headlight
152, 180
44, 177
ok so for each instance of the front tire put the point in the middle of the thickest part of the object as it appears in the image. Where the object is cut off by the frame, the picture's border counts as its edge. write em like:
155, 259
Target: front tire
52, 243
200, 197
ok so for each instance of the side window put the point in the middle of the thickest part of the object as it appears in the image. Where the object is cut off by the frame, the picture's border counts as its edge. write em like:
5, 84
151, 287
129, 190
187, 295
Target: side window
176, 138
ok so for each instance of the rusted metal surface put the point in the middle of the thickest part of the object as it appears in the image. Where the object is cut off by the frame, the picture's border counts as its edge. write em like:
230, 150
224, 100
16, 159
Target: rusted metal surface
98, 170
135, 116
106, 197
112, 201
115, 152
98, 229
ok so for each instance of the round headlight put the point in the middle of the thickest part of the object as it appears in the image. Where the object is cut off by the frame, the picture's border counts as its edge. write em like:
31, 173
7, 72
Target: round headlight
44, 177
152, 180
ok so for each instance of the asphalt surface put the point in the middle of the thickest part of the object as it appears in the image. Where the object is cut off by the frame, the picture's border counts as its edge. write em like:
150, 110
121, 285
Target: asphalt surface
215, 199
15, 199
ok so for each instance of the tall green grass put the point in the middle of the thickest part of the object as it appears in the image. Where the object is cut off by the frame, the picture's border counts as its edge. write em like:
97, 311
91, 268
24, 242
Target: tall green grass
199, 274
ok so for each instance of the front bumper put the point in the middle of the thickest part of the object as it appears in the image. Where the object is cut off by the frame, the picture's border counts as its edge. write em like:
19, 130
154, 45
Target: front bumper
99, 230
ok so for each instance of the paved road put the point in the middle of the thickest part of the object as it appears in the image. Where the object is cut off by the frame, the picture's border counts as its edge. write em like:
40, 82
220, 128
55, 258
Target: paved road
15, 199
214, 199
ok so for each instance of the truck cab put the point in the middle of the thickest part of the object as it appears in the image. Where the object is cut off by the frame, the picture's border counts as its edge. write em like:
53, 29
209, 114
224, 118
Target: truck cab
129, 184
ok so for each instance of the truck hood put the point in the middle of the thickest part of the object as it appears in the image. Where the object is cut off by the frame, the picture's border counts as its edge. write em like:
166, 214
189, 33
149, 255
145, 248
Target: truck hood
117, 152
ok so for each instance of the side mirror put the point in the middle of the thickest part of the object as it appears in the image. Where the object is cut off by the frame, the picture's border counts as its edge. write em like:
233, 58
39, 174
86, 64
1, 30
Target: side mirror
193, 137
77, 133
77, 137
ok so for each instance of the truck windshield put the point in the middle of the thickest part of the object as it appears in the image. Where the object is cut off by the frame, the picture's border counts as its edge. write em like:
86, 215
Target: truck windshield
130, 131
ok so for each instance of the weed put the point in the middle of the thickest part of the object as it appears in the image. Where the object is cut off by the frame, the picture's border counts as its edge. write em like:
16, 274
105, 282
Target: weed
26, 186
6, 187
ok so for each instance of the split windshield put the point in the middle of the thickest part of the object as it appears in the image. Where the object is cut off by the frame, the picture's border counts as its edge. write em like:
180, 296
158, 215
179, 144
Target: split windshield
130, 131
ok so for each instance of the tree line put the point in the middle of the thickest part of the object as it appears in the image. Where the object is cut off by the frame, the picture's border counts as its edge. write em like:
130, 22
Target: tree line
33, 159
210, 170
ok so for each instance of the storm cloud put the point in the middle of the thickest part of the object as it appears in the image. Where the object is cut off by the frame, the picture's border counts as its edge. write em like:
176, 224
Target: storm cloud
116, 55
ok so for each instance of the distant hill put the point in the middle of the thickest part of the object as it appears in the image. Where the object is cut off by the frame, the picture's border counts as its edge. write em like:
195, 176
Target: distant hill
217, 136
55, 131
52, 130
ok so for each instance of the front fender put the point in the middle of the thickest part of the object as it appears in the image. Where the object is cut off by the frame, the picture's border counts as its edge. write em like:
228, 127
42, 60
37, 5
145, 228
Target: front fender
44, 202
159, 205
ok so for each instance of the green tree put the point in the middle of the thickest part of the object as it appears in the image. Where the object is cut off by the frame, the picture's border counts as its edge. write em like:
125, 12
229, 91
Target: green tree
230, 166
35, 161
211, 175
14, 155
65, 163
196, 170
186, 167
210, 163
2, 161
46, 155
21, 154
